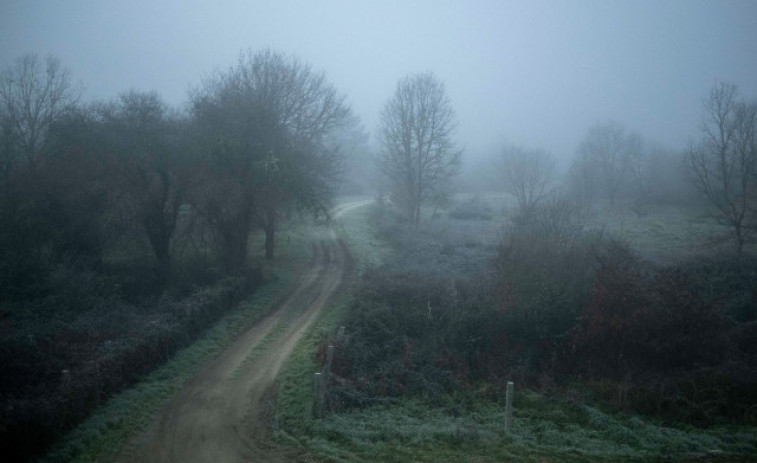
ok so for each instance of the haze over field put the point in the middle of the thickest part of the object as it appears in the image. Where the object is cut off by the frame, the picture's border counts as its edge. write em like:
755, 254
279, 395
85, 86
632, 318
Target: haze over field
343, 230
531, 73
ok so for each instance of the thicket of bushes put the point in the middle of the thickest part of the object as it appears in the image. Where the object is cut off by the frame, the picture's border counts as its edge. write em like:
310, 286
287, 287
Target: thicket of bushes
58, 371
560, 308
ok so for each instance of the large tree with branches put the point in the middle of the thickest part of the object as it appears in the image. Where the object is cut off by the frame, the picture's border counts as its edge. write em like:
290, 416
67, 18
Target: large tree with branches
264, 124
416, 128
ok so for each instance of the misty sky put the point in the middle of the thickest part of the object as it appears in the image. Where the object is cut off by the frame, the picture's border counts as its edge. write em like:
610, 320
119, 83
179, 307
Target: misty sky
534, 73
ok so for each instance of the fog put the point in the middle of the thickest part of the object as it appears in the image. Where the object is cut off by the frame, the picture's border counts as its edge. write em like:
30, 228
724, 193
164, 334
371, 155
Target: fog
201, 231
532, 73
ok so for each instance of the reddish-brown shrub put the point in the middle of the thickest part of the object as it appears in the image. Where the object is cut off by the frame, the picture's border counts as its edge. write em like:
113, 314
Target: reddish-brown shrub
638, 319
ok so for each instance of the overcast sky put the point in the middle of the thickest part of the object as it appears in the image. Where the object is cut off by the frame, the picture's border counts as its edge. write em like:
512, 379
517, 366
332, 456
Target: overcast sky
535, 73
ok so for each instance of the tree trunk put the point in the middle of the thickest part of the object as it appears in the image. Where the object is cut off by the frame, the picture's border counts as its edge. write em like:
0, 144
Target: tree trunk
417, 208
234, 236
160, 239
270, 234
164, 262
739, 240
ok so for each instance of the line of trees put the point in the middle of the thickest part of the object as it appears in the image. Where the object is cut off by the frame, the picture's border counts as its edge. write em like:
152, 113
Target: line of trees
612, 163
93, 186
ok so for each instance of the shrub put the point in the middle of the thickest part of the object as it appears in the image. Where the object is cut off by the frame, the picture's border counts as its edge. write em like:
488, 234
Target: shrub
728, 284
543, 267
410, 335
102, 350
638, 319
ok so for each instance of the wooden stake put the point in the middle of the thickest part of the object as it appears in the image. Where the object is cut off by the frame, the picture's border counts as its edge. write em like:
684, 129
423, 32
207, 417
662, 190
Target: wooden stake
329, 360
508, 406
318, 395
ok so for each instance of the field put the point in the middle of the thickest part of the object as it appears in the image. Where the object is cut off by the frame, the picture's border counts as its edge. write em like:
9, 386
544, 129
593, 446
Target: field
663, 233
667, 233
552, 422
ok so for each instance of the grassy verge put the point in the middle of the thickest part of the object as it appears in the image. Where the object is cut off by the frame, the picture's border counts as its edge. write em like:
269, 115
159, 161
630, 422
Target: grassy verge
545, 429
103, 435
293, 419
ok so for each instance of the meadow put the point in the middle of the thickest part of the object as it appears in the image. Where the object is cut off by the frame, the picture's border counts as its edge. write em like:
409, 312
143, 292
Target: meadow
426, 408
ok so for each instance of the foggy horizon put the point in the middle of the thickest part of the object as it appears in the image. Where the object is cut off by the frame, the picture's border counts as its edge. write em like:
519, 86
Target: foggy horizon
378, 231
537, 74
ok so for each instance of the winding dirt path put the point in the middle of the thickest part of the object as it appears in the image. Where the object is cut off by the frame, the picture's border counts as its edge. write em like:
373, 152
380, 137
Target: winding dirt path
215, 417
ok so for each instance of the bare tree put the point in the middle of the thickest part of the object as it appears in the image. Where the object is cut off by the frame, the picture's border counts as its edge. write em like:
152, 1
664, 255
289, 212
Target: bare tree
222, 190
527, 174
299, 107
724, 162
143, 172
603, 157
265, 121
33, 95
416, 130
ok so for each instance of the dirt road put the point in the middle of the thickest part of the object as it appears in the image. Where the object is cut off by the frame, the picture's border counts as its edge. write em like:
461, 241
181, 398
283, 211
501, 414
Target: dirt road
216, 415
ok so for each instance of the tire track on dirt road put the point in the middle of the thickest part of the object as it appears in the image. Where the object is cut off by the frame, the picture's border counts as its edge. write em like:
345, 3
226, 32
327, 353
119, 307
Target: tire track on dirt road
216, 416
